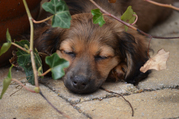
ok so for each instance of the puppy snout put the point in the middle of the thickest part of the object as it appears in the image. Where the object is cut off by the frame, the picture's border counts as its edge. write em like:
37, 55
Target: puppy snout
79, 82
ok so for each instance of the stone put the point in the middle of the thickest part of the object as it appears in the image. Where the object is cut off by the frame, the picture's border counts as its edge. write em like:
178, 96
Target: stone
148, 105
26, 105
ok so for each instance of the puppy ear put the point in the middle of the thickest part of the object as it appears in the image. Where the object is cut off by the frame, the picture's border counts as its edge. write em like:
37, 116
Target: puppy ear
133, 51
47, 39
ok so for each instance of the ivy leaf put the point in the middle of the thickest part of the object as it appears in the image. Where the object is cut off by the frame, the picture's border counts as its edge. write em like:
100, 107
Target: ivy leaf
57, 65
24, 60
98, 17
6, 82
128, 16
5, 47
59, 9
8, 36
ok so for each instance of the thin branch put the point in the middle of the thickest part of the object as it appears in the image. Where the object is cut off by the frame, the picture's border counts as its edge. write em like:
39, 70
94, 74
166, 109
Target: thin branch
108, 14
54, 106
46, 72
136, 19
162, 5
37, 22
18, 46
122, 97
23, 85
16, 91
132, 27
31, 44
129, 25
34, 69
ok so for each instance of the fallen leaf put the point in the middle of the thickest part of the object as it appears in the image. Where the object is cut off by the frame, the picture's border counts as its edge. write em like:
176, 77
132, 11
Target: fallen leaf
158, 62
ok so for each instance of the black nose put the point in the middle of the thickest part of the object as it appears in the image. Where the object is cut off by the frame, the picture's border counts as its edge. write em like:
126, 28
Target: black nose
79, 82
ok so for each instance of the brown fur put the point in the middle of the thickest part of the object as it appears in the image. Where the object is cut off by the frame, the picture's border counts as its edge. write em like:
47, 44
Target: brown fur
99, 53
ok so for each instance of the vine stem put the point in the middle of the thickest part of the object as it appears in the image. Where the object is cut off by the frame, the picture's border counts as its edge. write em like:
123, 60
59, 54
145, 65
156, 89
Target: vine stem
20, 47
46, 72
108, 14
129, 25
33, 61
31, 44
37, 22
136, 19
162, 5
65, 115
23, 85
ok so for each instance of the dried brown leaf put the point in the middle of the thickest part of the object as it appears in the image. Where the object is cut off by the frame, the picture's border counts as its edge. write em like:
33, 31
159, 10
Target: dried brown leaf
13, 59
158, 62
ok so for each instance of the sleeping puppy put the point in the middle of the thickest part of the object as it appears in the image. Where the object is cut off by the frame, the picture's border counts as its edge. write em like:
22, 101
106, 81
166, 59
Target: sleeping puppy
95, 53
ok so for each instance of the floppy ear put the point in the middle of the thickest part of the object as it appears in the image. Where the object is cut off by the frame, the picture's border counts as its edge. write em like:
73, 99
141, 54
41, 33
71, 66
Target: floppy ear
47, 39
133, 51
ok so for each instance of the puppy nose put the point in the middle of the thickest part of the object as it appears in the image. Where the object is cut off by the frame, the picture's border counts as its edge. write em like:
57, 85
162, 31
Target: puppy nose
79, 82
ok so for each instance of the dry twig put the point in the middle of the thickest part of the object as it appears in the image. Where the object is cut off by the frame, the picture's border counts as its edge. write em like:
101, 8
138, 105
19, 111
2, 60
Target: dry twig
162, 5
122, 97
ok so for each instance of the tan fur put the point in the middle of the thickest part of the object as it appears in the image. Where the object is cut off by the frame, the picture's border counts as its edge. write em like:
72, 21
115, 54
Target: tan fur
102, 53
99, 53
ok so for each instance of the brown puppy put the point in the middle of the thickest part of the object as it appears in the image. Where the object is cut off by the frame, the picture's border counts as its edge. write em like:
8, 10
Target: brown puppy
102, 53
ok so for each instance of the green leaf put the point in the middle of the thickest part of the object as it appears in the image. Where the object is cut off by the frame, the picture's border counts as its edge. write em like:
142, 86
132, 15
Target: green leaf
98, 17
8, 36
5, 48
24, 60
59, 9
128, 16
6, 82
57, 65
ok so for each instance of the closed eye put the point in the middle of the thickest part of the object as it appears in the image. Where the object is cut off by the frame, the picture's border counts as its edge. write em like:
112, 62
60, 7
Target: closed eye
98, 57
72, 54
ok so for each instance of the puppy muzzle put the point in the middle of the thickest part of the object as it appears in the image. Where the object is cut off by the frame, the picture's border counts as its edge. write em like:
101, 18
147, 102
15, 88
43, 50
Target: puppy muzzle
80, 84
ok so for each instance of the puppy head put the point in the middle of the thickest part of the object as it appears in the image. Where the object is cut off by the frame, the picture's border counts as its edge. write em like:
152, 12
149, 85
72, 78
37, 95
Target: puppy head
95, 52
90, 50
